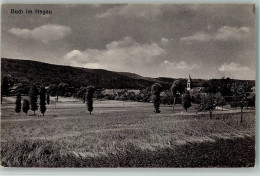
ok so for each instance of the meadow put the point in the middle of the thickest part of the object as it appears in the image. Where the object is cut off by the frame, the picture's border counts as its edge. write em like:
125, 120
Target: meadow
125, 134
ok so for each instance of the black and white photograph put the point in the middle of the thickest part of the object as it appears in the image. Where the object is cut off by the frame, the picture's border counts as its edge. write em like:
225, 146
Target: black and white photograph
128, 85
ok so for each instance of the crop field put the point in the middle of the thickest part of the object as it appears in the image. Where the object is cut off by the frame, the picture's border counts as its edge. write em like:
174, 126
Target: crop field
125, 134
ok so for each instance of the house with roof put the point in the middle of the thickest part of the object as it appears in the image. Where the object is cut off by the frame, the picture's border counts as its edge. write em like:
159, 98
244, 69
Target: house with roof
135, 91
198, 90
195, 91
19, 87
112, 93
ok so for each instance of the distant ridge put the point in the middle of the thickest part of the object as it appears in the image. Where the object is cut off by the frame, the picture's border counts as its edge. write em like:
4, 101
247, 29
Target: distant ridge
45, 74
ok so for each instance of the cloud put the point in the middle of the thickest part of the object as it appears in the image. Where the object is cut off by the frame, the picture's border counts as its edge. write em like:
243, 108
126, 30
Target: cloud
165, 41
198, 36
232, 67
235, 70
82, 57
45, 33
224, 33
133, 10
125, 54
182, 65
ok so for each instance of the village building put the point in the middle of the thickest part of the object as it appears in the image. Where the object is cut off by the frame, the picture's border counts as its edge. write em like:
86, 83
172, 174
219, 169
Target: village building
134, 91
194, 91
189, 83
112, 92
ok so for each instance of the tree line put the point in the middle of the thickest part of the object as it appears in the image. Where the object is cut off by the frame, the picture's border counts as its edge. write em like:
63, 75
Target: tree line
216, 89
45, 99
211, 100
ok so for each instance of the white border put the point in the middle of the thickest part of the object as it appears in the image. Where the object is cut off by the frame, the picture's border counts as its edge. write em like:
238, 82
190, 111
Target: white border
147, 171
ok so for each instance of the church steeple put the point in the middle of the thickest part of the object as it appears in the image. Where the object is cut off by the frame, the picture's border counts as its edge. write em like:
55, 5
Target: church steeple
189, 83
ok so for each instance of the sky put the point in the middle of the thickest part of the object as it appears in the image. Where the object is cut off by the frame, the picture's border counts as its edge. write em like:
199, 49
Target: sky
153, 40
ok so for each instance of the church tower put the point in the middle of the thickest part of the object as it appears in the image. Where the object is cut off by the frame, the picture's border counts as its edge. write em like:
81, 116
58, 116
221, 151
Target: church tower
189, 83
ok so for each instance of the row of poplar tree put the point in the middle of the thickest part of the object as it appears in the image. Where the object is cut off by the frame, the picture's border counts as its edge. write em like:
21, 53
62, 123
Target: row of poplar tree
33, 98
32, 102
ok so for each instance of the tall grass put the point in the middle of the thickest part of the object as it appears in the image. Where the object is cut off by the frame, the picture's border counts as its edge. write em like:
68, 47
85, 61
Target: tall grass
237, 152
129, 136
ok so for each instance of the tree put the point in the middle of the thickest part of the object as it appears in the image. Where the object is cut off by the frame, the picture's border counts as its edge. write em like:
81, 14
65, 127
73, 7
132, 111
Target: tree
198, 99
225, 85
42, 100
211, 86
81, 93
62, 89
208, 103
175, 89
48, 98
186, 101
220, 100
89, 96
18, 103
33, 93
52, 90
4, 87
84, 98
239, 98
156, 90
26, 106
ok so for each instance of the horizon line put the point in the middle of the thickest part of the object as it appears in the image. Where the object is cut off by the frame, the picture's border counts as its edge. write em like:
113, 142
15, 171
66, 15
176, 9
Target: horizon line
123, 71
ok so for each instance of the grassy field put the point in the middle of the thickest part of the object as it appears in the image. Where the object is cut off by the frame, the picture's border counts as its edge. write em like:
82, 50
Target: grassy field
125, 134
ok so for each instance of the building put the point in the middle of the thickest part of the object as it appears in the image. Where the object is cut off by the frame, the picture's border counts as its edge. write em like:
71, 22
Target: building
198, 90
194, 91
135, 92
114, 92
189, 84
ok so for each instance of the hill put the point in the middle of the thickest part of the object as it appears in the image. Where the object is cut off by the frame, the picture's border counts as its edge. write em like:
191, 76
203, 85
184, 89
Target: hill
46, 74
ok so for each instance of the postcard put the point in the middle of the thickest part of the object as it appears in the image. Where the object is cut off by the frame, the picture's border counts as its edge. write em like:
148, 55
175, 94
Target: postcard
128, 85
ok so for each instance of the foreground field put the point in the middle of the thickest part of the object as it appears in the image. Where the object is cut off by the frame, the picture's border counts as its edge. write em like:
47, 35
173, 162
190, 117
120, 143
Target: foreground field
126, 134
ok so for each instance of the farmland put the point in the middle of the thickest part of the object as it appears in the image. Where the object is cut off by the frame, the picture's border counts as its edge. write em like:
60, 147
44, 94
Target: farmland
125, 134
